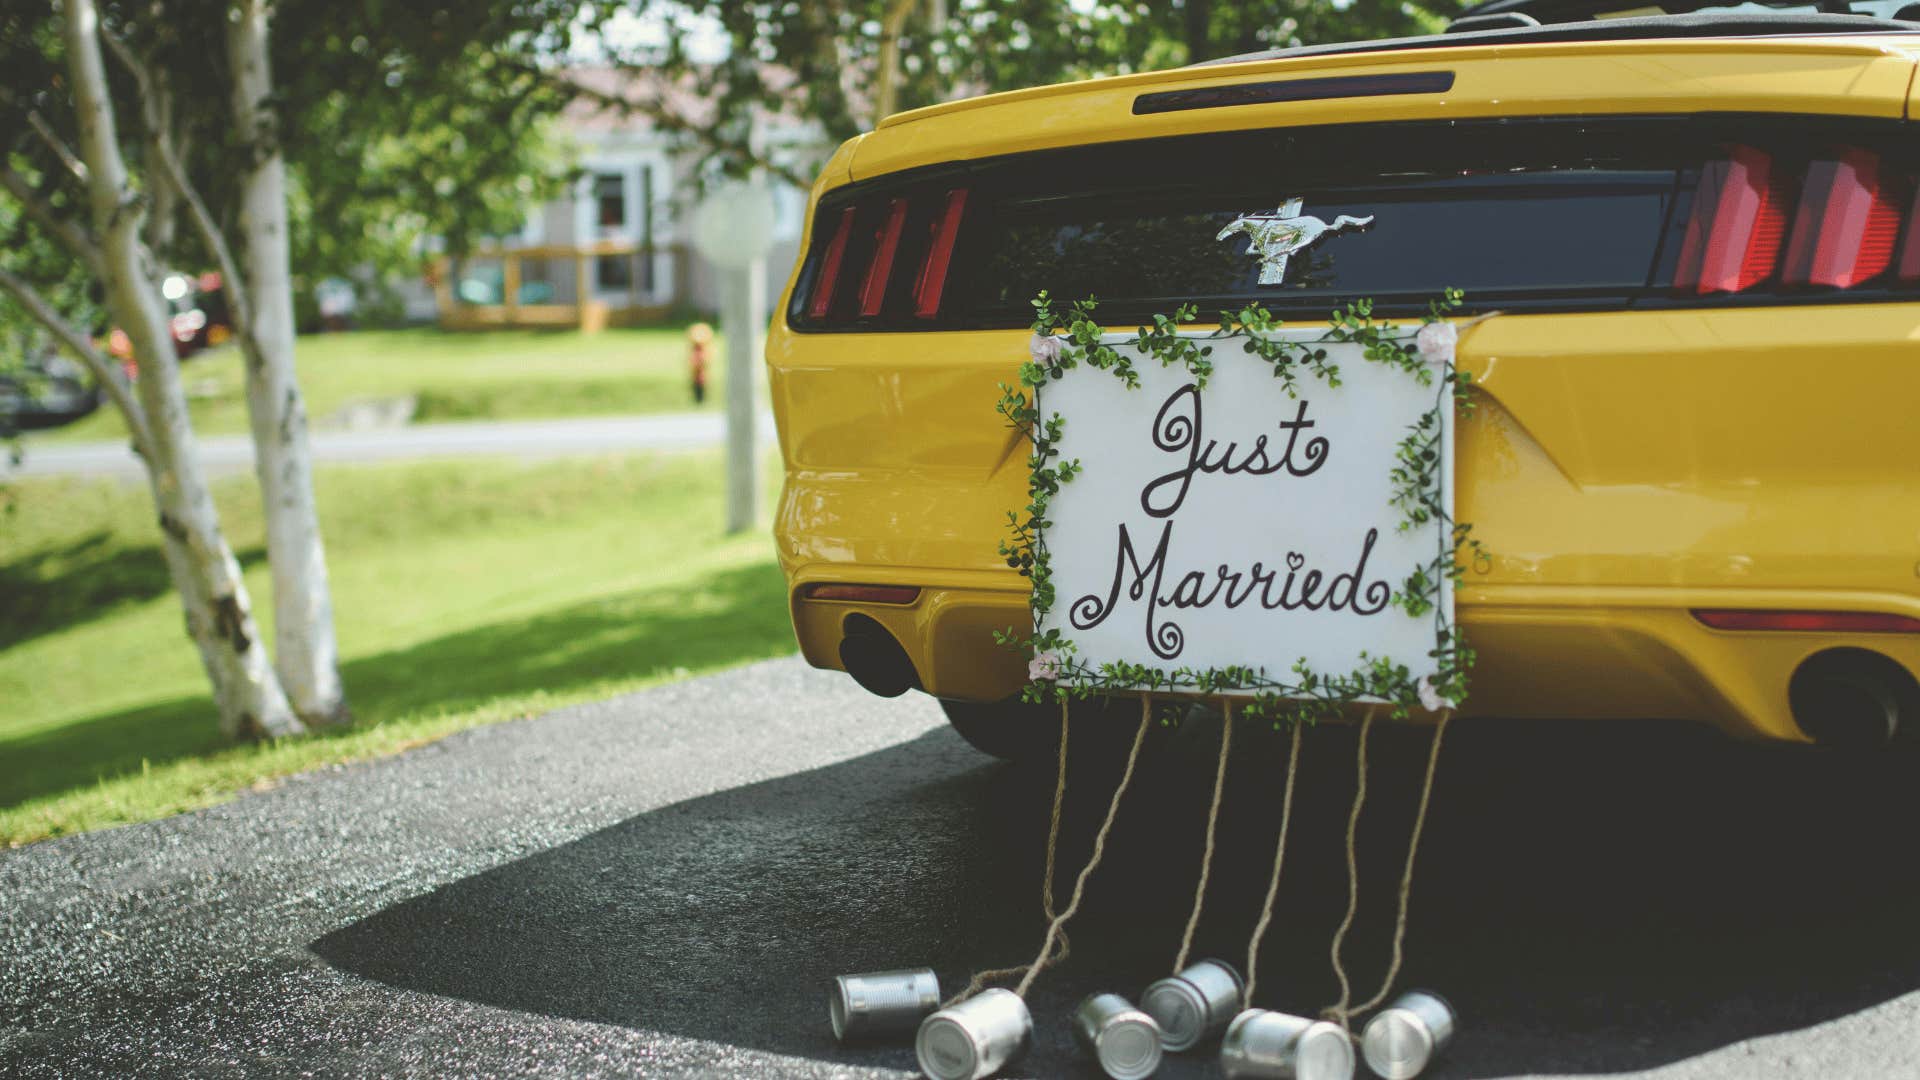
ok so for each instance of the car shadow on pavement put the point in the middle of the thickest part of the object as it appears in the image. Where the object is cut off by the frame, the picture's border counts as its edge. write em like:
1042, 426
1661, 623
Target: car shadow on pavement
1592, 898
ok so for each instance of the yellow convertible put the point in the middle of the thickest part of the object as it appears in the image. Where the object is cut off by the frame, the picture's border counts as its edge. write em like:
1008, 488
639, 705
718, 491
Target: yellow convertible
1695, 460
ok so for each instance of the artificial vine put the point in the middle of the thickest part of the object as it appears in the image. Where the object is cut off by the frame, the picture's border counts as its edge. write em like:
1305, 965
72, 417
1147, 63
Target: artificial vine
1065, 340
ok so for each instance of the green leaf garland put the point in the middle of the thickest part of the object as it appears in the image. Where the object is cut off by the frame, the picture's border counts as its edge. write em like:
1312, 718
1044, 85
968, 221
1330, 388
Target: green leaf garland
1063, 341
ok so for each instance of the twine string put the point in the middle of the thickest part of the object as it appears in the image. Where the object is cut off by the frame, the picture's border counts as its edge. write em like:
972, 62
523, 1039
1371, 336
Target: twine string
1406, 875
1213, 819
1339, 1012
1279, 857
982, 978
1046, 958
1054, 948
1053, 830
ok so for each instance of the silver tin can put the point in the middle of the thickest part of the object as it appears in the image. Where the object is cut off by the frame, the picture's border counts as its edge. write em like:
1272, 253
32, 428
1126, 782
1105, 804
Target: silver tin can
1404, 1038
881, 1002
1194, 1004
975, 1038
1123, 1039
1265, 1045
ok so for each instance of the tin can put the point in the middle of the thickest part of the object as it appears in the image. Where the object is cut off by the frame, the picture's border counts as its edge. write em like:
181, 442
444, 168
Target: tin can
881, 1002
1404, 1038
1194, 1004
975, 1038
1122, 1038
1265, 1045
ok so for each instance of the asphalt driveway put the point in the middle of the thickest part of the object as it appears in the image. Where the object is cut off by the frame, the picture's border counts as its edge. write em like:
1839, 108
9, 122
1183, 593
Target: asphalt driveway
663, 884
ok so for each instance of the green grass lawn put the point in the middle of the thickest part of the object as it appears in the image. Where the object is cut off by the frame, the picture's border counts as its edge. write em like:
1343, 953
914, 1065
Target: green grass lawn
465, 593
481, 375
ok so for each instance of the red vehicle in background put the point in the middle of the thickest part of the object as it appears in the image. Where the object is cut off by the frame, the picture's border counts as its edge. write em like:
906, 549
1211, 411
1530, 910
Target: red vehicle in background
197, 314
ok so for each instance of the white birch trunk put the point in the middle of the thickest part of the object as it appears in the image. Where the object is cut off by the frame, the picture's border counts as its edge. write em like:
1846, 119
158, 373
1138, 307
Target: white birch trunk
305, 652
219, 616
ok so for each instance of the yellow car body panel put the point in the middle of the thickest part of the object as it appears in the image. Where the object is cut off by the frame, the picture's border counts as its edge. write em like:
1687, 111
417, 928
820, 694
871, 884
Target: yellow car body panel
1623, 468
1835, 76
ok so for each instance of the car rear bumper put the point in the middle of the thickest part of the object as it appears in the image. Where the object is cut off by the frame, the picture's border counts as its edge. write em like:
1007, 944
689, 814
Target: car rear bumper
1622, 469
1544, 652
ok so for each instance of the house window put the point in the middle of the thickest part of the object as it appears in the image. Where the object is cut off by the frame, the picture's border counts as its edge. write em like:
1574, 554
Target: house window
612, 272
610, 193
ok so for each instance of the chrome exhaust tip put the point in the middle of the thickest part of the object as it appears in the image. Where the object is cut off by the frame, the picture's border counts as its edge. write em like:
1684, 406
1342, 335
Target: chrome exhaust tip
1851, 699
875, 658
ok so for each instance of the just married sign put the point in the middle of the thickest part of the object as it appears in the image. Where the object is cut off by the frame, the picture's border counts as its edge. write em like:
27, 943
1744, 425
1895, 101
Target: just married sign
1238, 525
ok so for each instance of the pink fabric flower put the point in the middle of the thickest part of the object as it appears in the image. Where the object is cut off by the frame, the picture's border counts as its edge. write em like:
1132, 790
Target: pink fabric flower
1436, 341
1044, 665
1045, 349
1430, 698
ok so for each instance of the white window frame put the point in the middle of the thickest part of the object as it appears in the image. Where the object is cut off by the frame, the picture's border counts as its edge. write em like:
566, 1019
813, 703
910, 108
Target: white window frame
628, 162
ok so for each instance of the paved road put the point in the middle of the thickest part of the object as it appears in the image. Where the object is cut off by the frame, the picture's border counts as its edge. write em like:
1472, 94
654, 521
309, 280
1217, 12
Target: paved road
520, 438
662, 884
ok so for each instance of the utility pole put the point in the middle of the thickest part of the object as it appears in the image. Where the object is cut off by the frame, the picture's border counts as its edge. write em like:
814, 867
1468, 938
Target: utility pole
732, 230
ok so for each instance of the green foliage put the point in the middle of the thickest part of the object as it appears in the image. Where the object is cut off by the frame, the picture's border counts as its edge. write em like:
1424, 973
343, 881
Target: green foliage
1189, 31
415, 120
31, 51
1063, 342
398, 122
820, 61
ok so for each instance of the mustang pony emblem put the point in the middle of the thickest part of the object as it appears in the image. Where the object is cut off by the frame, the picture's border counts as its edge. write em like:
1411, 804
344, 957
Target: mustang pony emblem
1276, 236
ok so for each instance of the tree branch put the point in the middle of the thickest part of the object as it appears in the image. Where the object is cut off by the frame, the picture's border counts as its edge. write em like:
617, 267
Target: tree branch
160, 140
165, 212
105, 371
47, 135
71, 235
58, 145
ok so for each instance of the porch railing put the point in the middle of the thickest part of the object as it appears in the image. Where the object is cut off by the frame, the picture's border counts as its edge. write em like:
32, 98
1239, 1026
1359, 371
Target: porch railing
590, 310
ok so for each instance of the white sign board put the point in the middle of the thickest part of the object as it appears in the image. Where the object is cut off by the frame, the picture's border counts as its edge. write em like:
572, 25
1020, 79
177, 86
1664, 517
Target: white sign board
1235, 525
733, 225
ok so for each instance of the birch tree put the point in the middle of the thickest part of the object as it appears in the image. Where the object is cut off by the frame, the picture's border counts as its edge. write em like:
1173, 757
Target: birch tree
107, 234
304, 648
397, 122
257, 282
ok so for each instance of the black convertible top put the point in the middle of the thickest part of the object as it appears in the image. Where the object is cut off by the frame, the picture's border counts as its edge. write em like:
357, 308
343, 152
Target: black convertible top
1564, 11
1644, 28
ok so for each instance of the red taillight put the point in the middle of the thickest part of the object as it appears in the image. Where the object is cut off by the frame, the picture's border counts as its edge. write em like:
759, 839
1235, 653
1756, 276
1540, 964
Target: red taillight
829, 277
1852, 622
1739, 216
933, 271
1848, 219
894, 236
862, 594
873, 291
1909, 269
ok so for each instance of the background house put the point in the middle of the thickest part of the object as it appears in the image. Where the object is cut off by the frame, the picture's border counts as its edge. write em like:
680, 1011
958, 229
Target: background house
616, 248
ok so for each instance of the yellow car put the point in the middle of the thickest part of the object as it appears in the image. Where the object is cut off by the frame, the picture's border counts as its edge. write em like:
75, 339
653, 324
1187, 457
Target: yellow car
1695, 461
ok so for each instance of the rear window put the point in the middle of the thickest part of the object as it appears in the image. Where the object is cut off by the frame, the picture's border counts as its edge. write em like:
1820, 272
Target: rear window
1590, 232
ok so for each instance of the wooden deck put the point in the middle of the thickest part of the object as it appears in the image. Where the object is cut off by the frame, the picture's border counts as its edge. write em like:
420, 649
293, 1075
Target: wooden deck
591, 315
